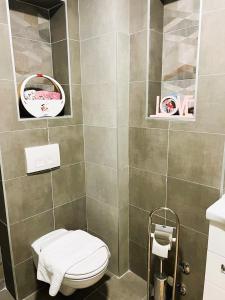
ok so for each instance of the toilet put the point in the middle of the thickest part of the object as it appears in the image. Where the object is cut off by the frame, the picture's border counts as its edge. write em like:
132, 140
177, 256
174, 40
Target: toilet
81, 275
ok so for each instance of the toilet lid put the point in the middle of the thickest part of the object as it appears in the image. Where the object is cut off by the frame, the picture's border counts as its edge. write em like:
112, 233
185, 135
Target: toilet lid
90, 266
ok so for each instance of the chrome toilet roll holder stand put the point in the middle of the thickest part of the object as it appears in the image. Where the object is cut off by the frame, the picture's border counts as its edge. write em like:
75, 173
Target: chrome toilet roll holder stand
172, 281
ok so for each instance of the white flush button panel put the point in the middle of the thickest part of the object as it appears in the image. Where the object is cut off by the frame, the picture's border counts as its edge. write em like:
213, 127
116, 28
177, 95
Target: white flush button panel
42, 158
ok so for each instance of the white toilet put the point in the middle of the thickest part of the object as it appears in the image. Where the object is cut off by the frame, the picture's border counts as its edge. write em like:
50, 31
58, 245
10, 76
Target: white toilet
83, 274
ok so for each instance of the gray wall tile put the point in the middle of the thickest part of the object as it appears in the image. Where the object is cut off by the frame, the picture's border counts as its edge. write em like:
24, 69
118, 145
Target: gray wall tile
138, 56
102, 96
147, 190
73, 19
23, 234
75, 62
100, 145
138, 15
101, 183
148, 149
14, 143
99, 59
3, 15
211, 61
6, 71
28, 196
71, 215
71, 143
68, 184
26, 279
190, 202
205, 151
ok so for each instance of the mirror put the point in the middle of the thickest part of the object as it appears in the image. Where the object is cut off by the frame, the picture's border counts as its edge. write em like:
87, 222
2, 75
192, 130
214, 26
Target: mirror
173, 49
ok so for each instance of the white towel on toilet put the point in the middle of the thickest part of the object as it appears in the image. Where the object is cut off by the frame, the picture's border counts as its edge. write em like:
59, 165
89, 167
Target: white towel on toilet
59, 256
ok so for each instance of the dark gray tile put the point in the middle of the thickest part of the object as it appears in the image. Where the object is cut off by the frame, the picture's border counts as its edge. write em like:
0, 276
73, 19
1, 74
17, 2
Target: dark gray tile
138, 56
196, 157
71, 215
26, 279
60, 62
58, 23
28, 196
138, 260
12, 147
101, 183
2, 204
101, 145
190, 202
128, 287
68, 184
71, 143
75, 62
9, 278
23, 234
6, 71
148, 149
156, 15
138, 226
97, 296
147, 190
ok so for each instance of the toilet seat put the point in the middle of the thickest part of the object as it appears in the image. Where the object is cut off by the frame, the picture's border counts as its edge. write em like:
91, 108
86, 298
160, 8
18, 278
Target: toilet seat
89, 267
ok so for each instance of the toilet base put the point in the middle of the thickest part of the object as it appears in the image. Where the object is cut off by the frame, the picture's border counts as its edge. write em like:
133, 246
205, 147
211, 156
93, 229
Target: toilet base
69, 286
66, 290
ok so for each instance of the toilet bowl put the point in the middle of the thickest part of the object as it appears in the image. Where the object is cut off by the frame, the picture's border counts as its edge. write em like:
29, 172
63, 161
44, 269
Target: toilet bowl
81, 275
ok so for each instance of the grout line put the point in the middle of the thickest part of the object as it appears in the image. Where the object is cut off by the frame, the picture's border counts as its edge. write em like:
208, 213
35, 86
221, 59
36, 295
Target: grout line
180, 130
182, 225
31, 40
31, 217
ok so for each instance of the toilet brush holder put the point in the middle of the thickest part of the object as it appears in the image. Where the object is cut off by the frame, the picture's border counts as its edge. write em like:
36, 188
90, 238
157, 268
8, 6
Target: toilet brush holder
159, 244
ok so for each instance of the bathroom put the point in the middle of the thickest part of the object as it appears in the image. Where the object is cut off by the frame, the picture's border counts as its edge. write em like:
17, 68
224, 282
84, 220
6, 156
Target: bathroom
129, 119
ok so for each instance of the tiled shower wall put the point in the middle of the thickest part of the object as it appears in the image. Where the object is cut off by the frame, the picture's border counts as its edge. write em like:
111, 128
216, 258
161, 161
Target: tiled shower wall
37, 204
178, 164
104, 32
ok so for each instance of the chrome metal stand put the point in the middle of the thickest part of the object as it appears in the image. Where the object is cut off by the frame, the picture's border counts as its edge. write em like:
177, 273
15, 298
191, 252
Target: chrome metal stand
176, 240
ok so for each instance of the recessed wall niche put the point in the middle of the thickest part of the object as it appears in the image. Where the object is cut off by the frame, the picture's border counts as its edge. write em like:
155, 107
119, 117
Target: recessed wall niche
173, 40
40, 46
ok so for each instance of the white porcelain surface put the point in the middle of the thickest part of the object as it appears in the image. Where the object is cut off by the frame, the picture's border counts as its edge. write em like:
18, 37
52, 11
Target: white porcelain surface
216, 212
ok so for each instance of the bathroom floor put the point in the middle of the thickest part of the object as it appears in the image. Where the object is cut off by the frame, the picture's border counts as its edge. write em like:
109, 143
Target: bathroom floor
128, 287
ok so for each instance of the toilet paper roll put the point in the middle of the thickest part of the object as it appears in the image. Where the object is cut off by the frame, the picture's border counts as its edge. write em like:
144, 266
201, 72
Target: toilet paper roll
160, 250
162, 240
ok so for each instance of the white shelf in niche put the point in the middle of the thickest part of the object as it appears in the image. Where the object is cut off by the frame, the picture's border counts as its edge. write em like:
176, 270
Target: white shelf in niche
170, 118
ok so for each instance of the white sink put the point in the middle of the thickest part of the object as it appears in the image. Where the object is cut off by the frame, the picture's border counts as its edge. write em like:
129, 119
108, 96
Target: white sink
216, 212
215, 266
